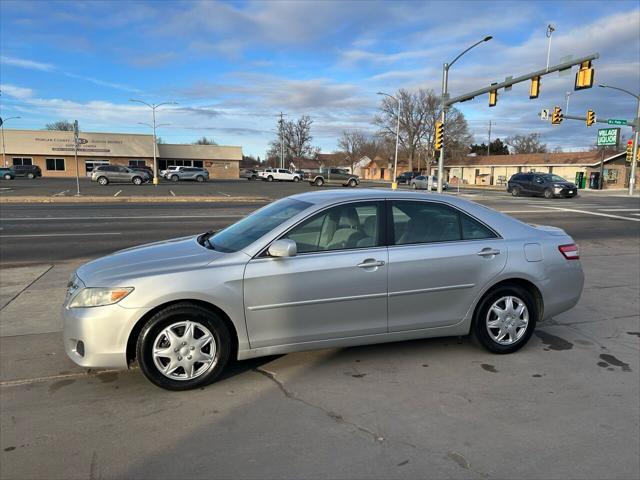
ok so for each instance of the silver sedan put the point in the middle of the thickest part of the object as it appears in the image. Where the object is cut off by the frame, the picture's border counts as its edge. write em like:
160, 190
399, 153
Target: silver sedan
317, 270
425, 182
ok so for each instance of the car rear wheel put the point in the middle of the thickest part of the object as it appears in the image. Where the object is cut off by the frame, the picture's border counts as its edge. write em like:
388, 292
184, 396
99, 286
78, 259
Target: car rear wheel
30, 176
319, 182
103, 180
269, 178
200, 178
505, 319
7, 177
515, 192
137, 180
182, 347
548, 193
414, 186
352, 183
296, 179
174, 178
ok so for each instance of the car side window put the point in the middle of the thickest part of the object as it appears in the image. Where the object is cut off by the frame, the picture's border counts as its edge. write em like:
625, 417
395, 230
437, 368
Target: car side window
424, 222
353, 225
473, 229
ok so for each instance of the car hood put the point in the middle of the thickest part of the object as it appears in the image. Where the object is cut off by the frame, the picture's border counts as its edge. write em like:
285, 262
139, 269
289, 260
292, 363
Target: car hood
146, 260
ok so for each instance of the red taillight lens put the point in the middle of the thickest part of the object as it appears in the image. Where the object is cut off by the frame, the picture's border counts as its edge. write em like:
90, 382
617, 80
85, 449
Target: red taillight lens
570, 252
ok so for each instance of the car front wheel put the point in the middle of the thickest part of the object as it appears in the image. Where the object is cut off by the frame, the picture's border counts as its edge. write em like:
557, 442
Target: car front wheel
505, 319
548, 193
515, 192
269, 178
137, 180
174, 178
30, 176
7, 177
103, 180
182, 347
352, 183
319, 182
200, 178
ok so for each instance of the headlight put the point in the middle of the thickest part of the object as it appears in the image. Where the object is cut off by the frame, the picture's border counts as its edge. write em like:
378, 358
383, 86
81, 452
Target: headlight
99, 297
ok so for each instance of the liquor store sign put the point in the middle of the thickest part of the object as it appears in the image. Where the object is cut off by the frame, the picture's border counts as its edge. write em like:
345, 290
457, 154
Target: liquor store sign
608, 137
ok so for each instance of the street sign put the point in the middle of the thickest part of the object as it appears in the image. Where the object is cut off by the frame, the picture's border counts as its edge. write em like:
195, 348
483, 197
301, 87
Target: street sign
614, 121
544, 114
608, 137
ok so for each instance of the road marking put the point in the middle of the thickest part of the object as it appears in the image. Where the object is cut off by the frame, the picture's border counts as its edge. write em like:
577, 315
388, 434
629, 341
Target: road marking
60, 193
619, 209
171, 192
638, 214
618, 217
225, 194
61, 235
117, 193
131, 217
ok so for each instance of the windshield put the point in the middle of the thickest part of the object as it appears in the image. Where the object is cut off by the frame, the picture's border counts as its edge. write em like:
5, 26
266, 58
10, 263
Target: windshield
554, 178
237, 236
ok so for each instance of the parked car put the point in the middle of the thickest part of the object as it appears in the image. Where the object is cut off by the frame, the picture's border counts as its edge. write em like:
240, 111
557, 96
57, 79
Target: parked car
547, 185
29, 171
189, 173
174, 168
279, 174
249, 174
319, 270
143, 168
405, 177
332, 176
427, 182
6, 173
105, 174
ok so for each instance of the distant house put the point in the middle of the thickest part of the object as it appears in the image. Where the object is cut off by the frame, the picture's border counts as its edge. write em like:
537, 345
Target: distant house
305, 164
381, 169
497, 169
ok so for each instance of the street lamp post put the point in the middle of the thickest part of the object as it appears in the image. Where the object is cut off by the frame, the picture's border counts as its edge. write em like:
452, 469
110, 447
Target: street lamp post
153, 107
636, 127
443, 114
394, 184
2, 122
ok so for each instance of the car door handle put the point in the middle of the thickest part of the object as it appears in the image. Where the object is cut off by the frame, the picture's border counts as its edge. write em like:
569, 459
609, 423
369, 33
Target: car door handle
371, 263
488, 252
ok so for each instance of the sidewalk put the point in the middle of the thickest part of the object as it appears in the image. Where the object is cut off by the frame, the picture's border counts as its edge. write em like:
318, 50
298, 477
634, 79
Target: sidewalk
131, 199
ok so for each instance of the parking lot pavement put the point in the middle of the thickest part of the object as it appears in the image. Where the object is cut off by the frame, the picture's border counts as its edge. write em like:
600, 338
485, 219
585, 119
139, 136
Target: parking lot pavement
566, 406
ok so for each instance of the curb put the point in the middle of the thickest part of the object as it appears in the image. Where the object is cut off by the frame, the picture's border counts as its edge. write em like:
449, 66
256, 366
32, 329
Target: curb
93, 199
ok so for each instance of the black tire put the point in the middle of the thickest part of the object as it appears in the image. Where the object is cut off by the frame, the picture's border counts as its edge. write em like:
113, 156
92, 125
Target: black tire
30, 176
296, 179
318, 182
352, 183
269, 178
168, 316
103, 181
7, 177
479, 329
414, 186
200, 179
548, 193
175, 178
515, 192
136, 180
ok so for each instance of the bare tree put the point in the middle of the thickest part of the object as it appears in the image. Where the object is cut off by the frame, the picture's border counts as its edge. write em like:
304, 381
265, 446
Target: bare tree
352, 144
418, 116
296, 135
205, 141
62, 125
529, 143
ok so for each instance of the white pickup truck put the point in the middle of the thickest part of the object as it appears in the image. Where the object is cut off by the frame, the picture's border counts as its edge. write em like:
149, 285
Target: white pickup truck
279, 174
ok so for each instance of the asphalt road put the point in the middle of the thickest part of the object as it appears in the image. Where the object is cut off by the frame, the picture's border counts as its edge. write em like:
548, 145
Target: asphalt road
565, 406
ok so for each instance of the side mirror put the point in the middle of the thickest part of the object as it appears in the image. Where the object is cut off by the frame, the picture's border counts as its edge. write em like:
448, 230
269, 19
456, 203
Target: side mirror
283, 248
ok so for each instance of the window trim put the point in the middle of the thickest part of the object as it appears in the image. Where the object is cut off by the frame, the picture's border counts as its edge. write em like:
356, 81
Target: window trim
380, 203
22, 159
391, 228
55, 159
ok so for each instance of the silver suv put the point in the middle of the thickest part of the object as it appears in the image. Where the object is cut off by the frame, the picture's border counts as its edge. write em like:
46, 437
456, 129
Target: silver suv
189, 173
105, 174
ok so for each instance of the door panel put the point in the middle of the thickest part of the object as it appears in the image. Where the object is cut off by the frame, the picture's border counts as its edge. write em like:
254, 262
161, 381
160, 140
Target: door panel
316, 296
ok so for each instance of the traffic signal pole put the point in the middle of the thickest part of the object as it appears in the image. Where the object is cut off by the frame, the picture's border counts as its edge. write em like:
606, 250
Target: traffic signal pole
443, 117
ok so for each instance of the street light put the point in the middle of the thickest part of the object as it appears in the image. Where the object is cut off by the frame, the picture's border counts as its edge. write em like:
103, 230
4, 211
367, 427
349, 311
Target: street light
153, 107
443, 115
394, 184
636, 127
2, 122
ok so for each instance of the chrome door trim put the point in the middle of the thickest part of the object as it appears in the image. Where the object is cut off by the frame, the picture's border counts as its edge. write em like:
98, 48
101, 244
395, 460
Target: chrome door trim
432, 289
316, 301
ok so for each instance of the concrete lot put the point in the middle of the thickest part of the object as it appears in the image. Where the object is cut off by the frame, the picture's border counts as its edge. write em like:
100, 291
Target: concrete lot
566, 406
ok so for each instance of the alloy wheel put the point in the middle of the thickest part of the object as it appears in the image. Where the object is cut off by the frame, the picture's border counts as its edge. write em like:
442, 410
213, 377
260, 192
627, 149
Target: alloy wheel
507, 320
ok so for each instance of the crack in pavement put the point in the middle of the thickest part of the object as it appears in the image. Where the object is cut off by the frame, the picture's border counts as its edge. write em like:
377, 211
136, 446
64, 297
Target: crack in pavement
27, 287
332, 415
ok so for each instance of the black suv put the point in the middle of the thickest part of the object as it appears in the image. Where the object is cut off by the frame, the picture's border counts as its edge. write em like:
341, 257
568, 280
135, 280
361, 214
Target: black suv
406, 177
547, 185
29, 171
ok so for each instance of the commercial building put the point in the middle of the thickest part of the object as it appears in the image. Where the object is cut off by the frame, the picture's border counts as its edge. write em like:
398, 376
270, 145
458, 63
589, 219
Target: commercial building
54, 153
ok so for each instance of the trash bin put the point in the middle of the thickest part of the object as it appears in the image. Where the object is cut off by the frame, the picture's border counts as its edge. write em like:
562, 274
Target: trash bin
594, 180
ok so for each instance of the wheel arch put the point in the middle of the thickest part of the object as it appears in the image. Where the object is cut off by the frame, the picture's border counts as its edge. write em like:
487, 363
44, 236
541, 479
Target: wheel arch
513, 281
137, 328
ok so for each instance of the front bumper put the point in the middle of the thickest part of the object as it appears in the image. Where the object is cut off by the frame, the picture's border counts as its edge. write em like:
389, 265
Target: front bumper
565, 192
97, 337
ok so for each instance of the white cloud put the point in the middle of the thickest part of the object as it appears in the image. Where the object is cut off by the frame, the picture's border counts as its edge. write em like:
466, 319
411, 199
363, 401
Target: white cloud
24, 63
16, 92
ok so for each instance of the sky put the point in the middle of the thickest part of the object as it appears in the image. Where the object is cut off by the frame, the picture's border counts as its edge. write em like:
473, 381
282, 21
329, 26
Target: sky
233, 66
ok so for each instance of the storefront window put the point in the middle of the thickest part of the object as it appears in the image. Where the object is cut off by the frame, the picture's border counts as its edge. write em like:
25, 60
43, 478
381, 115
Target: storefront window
611, 175
22, 161
137, 163
56, 164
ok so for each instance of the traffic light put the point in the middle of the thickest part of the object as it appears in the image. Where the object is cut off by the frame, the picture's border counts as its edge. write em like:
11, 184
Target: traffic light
534, 91
584, 76
591, 117
556, 116
493, 97
630, 151
439, 135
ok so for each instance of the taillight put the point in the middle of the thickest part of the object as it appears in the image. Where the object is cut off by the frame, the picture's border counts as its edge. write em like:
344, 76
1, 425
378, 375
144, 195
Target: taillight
570, 252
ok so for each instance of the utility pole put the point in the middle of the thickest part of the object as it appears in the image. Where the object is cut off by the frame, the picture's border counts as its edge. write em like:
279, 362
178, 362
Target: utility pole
4, 154
281, 140
75, 151
489, 143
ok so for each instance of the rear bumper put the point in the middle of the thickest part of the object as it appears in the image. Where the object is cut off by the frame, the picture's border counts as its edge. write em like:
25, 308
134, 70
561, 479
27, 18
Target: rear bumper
563, 289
